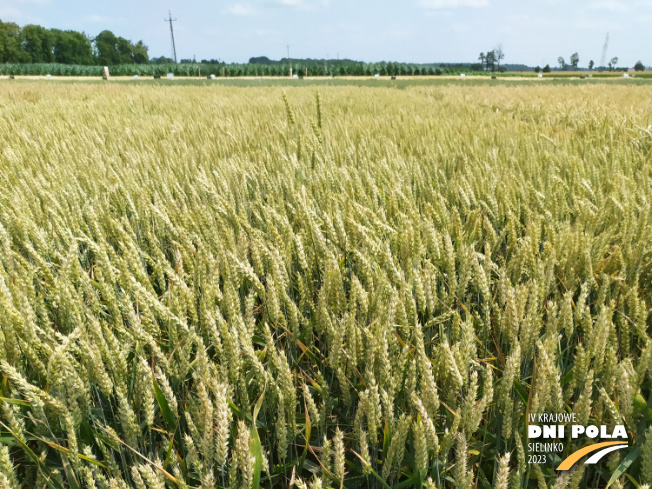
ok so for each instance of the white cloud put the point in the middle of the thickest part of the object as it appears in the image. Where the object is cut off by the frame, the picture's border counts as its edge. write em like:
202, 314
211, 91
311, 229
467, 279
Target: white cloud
241, 10
9, 13
452, 4
609, 5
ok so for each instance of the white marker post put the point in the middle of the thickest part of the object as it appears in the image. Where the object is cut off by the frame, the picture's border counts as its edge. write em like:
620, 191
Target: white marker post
106, 72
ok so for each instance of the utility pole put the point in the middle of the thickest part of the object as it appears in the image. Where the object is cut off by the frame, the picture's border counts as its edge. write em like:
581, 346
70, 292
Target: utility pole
174, 48
288, 46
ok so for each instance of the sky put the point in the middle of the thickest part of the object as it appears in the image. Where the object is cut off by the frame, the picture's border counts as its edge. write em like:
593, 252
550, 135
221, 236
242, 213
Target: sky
532, 32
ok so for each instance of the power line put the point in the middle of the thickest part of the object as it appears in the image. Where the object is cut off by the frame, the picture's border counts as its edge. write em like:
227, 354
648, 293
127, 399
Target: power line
174, 48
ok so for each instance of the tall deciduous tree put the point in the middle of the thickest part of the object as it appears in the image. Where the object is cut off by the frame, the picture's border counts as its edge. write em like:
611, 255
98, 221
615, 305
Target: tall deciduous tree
114, 50
491, 60
139, 51
613, 63
125, 51
11, 49
106, 45
499, 54
71, 47
575, 60
38, 43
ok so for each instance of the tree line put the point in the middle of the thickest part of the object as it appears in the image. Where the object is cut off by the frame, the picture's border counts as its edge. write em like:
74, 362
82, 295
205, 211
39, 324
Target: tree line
612, 65
37, 44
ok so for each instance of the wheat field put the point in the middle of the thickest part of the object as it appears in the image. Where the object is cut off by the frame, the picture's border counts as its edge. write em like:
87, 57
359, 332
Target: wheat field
350, 287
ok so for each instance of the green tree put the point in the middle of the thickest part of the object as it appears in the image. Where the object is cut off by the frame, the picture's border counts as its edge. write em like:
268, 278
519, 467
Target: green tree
546, 69
639, 66
491, 60
71, 47
575, 60
11, 48
139, 52
260, 60
113, 50
613, 62
591, 65
161, 60
125, 51
482, 59
499, 55
38, 43
561, 62
106, 46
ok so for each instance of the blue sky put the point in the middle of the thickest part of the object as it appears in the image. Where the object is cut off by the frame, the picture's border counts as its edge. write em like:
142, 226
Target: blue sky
534, 32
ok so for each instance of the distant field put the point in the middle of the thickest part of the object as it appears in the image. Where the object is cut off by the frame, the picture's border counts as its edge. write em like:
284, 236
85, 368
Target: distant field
324, 283
384, 81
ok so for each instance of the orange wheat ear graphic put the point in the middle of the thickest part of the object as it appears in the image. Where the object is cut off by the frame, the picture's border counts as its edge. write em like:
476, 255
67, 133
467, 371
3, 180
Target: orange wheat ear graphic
604, 449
